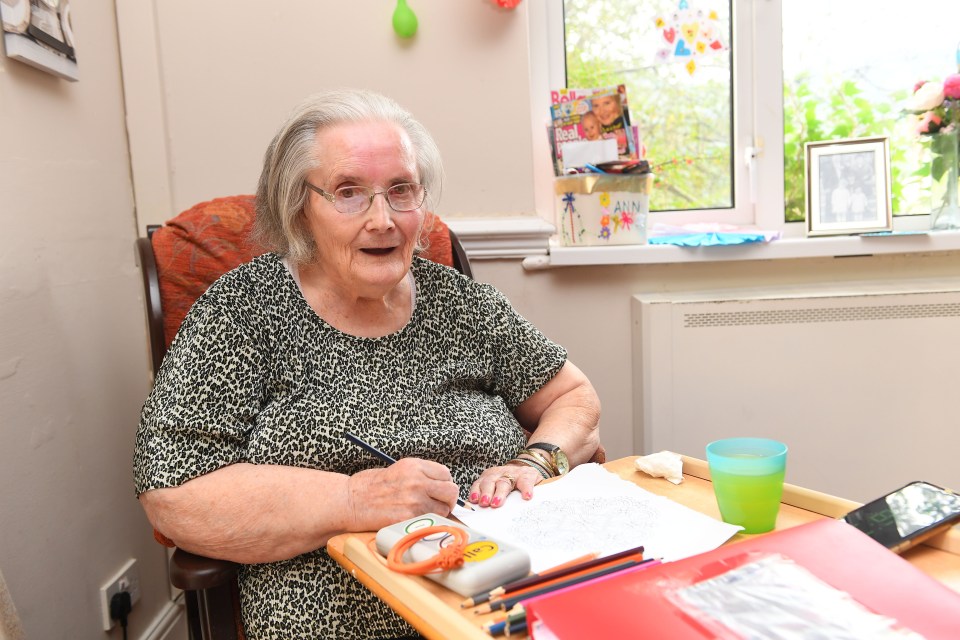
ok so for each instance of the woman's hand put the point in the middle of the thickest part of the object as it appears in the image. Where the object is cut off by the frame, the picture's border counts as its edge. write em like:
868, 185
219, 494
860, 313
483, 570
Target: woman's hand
409, 487
496, 483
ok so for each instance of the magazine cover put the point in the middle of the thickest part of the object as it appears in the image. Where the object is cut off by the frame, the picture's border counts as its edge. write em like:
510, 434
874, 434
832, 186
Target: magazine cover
591, 114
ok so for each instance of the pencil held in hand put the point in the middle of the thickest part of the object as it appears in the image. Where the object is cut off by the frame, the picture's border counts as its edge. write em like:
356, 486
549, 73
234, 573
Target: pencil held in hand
369, 448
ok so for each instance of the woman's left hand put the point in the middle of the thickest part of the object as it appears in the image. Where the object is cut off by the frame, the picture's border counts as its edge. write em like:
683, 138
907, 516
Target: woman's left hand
496, 483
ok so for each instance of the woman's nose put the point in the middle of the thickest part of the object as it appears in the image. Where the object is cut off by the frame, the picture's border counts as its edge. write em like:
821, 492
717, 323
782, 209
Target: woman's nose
380, 215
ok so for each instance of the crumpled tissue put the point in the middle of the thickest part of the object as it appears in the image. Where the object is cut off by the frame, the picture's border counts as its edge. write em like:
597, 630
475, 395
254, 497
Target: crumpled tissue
664, 464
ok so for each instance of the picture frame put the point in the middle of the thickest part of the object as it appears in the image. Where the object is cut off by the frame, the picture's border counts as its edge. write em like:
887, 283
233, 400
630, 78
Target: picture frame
848, 186
40, 33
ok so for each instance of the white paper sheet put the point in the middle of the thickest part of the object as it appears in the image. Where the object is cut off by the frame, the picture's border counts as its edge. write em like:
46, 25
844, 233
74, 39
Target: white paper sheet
593, 510
582, 152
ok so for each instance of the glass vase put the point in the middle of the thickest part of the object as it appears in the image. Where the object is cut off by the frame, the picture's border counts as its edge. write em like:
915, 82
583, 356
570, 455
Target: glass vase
945, 213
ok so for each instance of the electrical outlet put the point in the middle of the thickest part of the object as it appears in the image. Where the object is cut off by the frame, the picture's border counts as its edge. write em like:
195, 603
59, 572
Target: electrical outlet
128, 579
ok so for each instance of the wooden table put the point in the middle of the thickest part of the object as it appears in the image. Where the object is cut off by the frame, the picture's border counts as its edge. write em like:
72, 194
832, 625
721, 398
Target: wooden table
435, 611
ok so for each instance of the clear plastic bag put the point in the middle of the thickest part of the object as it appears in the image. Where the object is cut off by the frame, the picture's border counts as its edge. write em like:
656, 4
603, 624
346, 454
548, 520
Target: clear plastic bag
770, 597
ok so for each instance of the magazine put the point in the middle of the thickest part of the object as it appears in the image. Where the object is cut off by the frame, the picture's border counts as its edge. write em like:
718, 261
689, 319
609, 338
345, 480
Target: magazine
589, 115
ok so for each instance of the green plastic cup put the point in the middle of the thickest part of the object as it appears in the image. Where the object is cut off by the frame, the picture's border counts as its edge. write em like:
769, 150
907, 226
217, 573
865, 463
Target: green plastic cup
747, 475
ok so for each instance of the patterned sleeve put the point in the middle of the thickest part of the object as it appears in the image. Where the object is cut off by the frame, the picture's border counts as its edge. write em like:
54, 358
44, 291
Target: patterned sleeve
205, 398
524, 358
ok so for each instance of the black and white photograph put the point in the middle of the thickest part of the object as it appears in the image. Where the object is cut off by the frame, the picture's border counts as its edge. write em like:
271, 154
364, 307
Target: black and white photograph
39, 33
848, 186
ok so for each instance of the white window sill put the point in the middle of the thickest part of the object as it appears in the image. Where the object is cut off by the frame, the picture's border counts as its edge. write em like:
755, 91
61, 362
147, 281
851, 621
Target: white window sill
530, 238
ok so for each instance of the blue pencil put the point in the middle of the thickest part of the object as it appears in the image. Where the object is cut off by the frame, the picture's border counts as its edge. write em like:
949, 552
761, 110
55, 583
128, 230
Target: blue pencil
369, 448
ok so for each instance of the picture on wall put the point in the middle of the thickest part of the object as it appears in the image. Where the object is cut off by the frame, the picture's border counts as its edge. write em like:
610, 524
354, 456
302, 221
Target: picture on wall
848, 186
39, 33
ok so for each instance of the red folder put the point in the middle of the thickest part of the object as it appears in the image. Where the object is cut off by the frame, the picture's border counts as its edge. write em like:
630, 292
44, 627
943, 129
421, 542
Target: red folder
636, 605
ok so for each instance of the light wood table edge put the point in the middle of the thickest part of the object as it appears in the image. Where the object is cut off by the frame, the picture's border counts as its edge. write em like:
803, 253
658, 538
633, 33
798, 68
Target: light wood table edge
445, 621
825, 504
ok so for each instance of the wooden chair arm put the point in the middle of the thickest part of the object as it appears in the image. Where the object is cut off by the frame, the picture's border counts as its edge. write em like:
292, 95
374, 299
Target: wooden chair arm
191, 572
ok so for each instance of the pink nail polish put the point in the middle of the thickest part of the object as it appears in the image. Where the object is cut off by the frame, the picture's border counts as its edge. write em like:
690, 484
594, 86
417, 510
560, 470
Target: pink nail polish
484, 501
474, 497
495, 502
527, 495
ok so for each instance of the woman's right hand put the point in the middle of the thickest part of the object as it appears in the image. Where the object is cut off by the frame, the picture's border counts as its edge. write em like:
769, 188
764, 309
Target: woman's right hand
410, 487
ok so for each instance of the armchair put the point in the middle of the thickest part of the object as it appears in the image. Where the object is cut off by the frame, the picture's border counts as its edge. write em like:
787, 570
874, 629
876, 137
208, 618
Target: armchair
179, 260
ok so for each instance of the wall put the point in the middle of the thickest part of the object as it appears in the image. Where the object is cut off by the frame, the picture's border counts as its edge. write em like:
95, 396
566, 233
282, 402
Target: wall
227, 73
205, 85
465, 75
587, 309
73, 365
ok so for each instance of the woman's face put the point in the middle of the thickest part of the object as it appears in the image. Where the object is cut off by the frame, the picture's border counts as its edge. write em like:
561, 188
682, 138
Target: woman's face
364, 254
607, 108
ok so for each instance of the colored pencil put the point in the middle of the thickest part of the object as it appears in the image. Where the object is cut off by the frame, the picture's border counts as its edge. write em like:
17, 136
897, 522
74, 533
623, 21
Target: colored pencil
559, 571
507, 602
504, 623
568, 574
517, 628
480, 598
565, 570
369, 448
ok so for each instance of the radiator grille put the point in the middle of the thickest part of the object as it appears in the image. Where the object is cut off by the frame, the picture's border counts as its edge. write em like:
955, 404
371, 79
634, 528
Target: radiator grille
819, 315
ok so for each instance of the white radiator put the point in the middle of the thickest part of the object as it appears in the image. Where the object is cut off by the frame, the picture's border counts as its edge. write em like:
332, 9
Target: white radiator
863, 386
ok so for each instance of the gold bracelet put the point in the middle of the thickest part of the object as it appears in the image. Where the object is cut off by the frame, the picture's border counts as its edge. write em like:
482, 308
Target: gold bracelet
543, 471
547, 460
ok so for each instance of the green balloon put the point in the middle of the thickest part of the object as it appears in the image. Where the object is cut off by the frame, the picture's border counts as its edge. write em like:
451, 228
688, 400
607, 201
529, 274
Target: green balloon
404, 20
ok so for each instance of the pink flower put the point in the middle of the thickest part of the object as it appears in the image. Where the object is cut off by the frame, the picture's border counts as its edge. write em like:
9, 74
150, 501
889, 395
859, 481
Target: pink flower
928, 96
951, 86
929, 123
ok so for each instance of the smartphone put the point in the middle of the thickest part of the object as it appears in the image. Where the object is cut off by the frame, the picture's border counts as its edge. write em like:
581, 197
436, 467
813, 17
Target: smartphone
907, 516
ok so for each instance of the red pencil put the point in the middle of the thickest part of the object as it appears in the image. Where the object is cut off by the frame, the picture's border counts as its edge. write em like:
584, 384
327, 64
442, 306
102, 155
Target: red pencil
485, 596
557, 572
506, 601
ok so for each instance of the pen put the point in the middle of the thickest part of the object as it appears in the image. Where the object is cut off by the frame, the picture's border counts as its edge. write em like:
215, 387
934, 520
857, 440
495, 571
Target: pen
369, 448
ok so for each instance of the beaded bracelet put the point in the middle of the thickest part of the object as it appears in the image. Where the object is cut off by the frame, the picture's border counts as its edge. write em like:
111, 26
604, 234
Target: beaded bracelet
450, 557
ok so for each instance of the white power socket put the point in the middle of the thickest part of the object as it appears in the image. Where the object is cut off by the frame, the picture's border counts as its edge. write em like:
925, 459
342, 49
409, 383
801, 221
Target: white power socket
128, 579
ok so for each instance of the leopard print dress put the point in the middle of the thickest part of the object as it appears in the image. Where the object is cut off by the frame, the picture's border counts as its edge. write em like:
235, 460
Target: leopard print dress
254, 375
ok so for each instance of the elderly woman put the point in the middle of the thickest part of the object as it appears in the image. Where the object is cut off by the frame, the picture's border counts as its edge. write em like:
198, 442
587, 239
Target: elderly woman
341, 327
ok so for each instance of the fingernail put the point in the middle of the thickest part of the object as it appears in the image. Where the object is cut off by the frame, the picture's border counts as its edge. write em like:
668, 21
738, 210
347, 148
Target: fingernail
527, 495
484, 501
496, 501
474, 497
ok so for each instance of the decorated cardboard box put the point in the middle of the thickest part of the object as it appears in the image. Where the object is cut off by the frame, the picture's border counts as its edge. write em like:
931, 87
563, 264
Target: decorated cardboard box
602, 209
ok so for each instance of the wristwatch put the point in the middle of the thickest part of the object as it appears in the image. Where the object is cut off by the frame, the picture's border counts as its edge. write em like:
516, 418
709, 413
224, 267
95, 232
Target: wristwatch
560, 462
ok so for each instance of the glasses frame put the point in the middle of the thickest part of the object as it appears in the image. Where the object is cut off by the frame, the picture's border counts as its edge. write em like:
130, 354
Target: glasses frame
332, 198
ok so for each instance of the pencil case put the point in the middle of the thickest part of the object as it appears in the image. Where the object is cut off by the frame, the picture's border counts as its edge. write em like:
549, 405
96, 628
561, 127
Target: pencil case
488, 563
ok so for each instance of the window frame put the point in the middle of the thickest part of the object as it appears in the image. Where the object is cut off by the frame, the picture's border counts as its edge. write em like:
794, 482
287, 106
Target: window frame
757, 158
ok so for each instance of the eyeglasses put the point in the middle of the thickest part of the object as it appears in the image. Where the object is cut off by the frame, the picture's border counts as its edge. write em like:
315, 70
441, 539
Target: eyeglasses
402, 198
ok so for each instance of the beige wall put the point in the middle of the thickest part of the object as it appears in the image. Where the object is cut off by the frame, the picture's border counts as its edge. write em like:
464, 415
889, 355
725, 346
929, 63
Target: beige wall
73, 368
229, 72
222, 103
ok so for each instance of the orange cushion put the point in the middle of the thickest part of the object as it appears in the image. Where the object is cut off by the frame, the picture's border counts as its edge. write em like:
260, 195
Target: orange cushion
197, 247
439, 248
210, 238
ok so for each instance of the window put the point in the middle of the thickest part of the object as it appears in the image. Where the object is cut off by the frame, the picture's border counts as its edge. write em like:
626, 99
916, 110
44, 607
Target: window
682, 104
848, 68
728, 139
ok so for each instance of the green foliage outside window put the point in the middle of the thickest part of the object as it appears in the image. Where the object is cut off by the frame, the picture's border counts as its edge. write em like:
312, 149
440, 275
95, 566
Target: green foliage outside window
684, 121
842, 112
